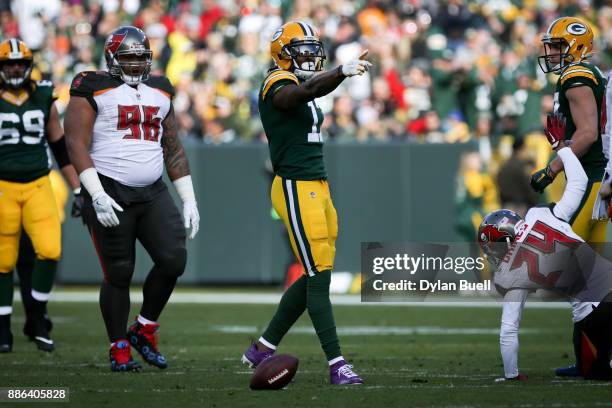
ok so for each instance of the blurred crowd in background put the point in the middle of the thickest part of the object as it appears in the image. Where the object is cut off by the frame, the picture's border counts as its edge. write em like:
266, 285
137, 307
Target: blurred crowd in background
445, 71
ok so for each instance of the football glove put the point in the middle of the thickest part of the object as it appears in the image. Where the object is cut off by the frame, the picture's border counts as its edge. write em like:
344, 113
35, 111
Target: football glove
555, 129
356, 67
606, 189
542, 178
77, 204
105, 208
191, 217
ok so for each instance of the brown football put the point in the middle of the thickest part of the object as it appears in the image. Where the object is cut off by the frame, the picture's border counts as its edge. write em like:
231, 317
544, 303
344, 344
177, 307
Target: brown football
274, 372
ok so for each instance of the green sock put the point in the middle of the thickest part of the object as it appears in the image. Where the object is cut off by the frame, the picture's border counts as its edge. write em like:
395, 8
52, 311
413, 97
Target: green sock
290, 308
321, 314
6, 289
43, 275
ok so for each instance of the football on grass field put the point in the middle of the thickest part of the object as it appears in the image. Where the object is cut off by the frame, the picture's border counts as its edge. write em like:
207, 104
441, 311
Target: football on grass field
274, 373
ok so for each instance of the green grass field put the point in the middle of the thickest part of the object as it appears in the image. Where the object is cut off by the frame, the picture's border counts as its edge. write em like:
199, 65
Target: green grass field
432, 360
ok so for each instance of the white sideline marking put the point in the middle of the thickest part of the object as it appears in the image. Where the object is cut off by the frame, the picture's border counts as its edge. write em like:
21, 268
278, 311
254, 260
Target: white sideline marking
376, 330
274, 298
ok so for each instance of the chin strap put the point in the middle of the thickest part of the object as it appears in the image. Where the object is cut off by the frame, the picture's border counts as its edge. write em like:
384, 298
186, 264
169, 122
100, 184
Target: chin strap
305, 75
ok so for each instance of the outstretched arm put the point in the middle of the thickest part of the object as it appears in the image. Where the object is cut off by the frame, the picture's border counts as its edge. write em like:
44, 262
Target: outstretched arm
291, 96
575, 187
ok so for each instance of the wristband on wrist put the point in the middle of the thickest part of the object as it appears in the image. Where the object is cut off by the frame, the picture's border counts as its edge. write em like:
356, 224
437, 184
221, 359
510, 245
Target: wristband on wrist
184, 188
90, 180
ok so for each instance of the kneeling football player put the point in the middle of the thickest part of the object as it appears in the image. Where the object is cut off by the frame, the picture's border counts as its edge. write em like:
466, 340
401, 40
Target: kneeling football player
543, 252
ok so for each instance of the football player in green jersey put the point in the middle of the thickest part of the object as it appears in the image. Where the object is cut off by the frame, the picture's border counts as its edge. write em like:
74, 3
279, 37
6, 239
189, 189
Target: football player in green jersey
300, 193
579, 96
29, 124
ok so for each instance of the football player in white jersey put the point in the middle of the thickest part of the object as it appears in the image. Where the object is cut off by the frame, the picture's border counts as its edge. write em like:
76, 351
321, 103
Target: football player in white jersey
543, 252
121, 131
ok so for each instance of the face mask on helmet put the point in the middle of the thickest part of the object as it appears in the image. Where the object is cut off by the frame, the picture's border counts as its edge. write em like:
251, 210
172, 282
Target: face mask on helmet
132, 67
307, 57
16, 72
497, 232
128, 55
495, 251
556, 55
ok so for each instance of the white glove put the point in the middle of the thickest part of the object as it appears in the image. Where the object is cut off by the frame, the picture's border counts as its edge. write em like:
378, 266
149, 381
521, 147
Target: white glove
357, 66
191, 217
103, 205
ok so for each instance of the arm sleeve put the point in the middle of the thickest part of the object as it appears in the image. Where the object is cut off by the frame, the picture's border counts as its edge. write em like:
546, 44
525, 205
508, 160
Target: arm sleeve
575, 187
514, 301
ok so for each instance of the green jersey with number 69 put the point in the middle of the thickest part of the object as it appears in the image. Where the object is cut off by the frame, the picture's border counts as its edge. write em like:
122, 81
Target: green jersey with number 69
294, 135
23, 142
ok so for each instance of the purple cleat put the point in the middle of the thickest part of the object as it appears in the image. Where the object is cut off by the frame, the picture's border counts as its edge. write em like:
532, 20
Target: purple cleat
253, 357
341, 373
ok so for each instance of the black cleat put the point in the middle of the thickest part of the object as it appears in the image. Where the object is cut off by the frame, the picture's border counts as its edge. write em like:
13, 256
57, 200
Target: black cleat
28, 327
44, 343
6, 337
144, 339
41, 336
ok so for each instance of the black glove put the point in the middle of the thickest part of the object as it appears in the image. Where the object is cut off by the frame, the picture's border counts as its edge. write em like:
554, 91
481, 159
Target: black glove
541, 179
77, 204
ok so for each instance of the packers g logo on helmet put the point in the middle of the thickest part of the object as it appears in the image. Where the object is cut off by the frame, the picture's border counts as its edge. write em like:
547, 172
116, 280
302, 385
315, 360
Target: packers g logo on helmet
296, 47
576, 29
14, 51
567, 41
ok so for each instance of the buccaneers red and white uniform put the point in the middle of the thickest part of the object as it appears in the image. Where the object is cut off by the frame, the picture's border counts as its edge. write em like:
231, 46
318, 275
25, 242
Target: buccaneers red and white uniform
127, 134
548, 254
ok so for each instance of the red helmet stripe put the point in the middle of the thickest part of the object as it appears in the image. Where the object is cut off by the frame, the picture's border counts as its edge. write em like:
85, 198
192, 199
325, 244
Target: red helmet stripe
114, 42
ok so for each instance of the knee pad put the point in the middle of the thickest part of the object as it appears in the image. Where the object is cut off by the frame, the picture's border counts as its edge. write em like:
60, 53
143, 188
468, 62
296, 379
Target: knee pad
8, 260
119, 273
50, 251
173, 262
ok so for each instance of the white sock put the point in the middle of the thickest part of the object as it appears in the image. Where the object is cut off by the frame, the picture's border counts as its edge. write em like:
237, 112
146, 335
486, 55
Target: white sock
144, 321
6, 310
335, 360
267, 343
41, 297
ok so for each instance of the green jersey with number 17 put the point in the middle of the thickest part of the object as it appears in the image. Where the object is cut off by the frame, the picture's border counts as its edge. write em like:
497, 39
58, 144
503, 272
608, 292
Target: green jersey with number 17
23, 142
294, 135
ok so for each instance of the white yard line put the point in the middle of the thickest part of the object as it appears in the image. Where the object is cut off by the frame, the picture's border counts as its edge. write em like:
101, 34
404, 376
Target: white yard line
273, 298
378, 330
